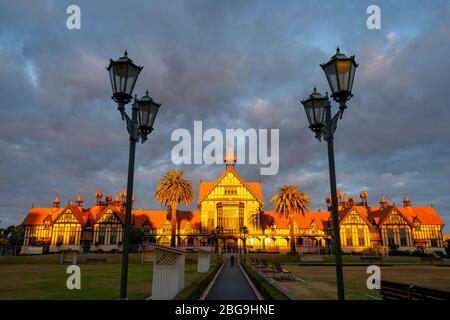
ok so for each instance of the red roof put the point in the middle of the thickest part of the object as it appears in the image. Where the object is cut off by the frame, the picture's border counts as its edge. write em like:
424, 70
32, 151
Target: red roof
36, 216
426, 215
321, 219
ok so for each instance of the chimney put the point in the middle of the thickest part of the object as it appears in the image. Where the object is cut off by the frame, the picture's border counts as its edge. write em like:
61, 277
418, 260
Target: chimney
383, 202
56, 202
328, 201
363, 196
339, 196
108, 199
79, 201
344, 201
406, 202
98, 195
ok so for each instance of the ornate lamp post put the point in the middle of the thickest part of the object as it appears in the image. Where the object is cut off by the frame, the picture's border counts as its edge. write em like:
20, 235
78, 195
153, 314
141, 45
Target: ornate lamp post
243, 230
217, 232
340, 72
123, 74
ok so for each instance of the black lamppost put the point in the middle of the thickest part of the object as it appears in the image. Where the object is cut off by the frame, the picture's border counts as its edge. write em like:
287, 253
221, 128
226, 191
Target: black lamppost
243, 230
123, 74
218, 231
340, 72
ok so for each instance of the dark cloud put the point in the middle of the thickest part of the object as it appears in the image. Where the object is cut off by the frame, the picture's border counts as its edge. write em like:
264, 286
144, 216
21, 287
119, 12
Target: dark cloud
231, 64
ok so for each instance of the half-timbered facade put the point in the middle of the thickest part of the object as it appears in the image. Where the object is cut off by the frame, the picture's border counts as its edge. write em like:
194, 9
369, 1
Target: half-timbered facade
231, 216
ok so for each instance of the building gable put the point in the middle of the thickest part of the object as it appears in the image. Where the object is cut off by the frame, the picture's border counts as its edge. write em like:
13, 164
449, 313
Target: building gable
229, 185
394, 217
68, 216
109, 216
353, 217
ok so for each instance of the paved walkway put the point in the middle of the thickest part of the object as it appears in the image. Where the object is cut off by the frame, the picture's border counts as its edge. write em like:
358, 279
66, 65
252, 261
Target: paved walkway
231, 284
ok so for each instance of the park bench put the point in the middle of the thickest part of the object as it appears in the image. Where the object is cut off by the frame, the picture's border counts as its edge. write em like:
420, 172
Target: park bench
430, 259
95, 260
254, 262
281, 274
264, 266
371, 259
317, 259
400, 291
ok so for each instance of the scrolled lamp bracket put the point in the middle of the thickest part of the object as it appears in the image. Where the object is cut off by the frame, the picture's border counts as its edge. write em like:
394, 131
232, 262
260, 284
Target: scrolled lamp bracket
330, 125
132, 126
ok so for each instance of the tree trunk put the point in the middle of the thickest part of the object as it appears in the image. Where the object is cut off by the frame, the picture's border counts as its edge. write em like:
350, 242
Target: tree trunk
292, 234
173, 221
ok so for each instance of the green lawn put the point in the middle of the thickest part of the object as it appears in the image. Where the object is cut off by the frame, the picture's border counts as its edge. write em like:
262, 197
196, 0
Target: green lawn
41, 277
320, 282
315, 282
346, 259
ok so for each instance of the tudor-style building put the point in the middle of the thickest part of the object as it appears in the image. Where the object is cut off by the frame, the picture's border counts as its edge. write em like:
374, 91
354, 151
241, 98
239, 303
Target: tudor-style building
231, 215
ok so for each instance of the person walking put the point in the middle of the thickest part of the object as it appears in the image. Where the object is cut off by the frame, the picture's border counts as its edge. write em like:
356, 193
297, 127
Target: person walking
232, 261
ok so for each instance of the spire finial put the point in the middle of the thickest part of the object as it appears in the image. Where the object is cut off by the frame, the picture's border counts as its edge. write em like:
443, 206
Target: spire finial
126, 53
230, 158
338, 50
146, 92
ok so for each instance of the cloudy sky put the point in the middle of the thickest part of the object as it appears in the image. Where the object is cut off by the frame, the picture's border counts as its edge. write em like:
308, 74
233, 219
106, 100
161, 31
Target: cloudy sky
231, 64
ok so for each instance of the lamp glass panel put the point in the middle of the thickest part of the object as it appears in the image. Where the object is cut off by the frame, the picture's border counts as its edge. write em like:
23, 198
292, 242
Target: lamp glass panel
152, 114
352, 76
343, 68
133, 73
309, 111
111, 78
120, 74
318, 111
330, 72
143, 114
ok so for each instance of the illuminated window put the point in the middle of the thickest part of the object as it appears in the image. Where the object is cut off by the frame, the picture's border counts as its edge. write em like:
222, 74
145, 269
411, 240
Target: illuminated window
403, 237
390, 236
187, 227
361, 238
101, 234
230, 191
210, 218
167, 227
113, 236
349, 238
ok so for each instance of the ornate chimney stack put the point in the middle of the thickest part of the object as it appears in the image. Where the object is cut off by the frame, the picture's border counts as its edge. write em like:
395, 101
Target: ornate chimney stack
56, 202
117, 201
406, 202
99, 196
339, 196
328, 201
79, 201
123, 196
108, 199
344, 201
363, 196
383, 202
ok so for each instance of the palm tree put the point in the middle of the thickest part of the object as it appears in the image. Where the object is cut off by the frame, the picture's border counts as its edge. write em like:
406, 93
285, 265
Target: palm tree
174, 189
288, 202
